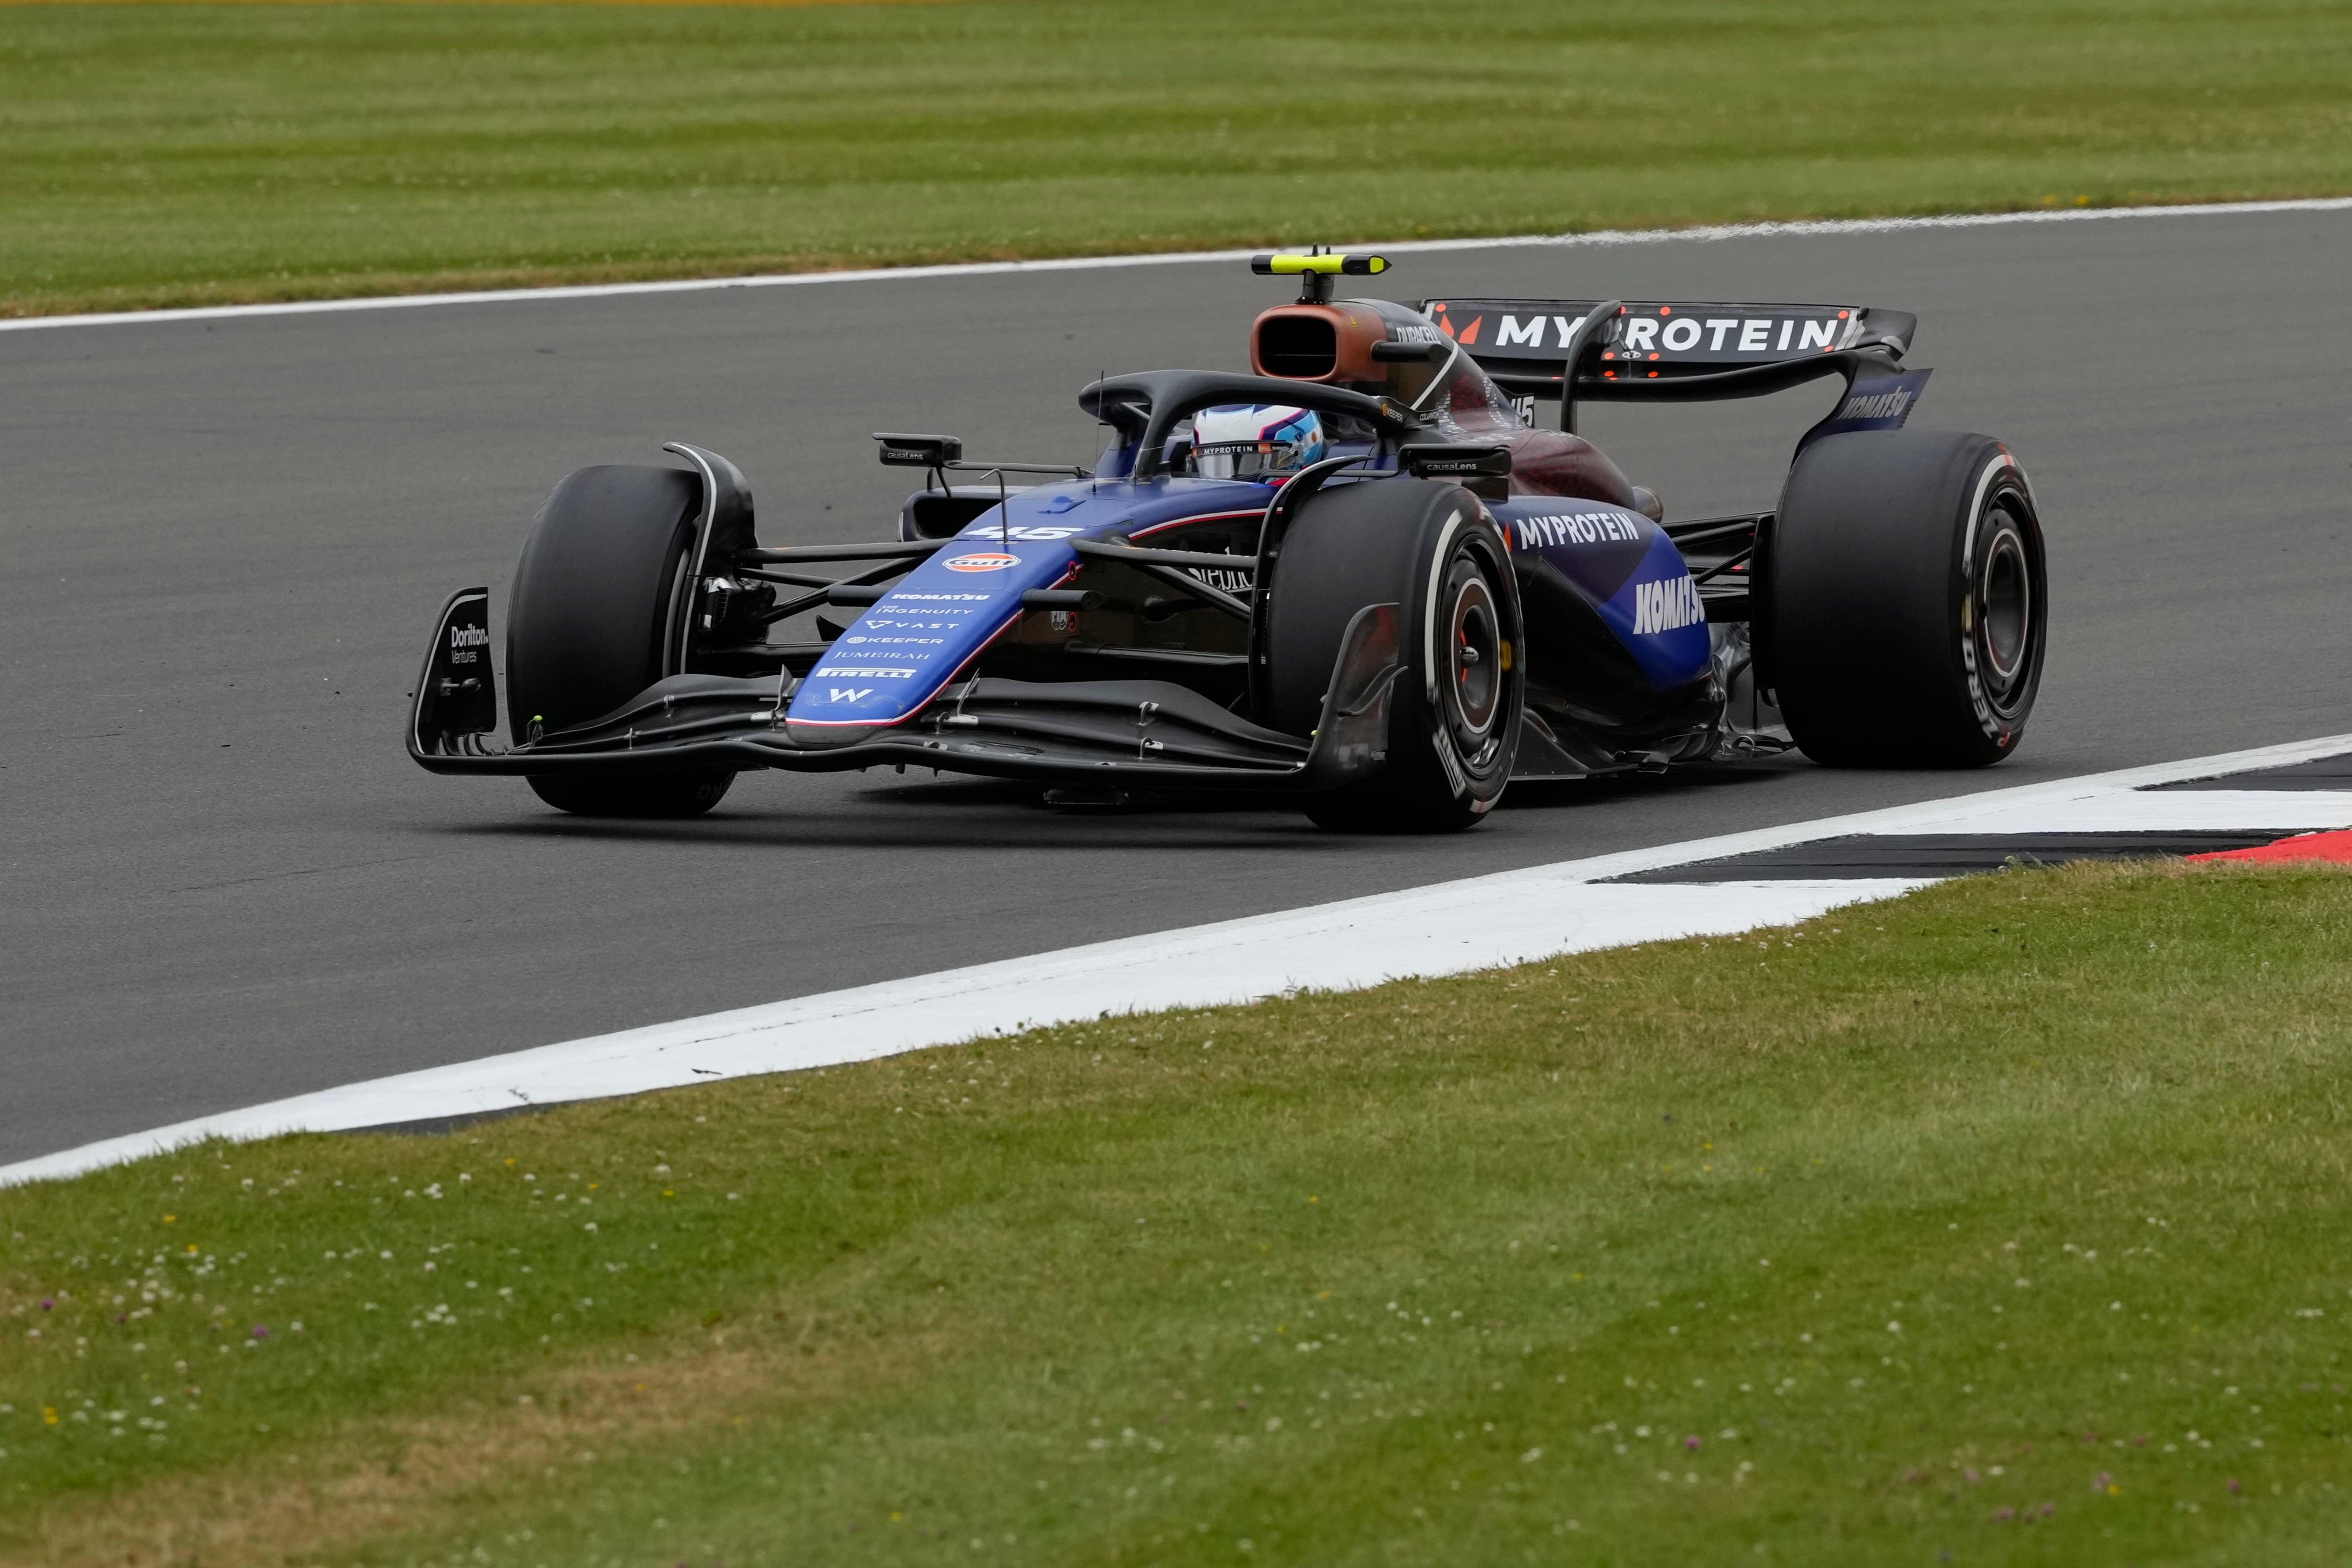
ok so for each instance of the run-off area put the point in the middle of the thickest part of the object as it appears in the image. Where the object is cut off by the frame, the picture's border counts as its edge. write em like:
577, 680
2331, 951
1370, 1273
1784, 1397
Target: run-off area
1982, 1214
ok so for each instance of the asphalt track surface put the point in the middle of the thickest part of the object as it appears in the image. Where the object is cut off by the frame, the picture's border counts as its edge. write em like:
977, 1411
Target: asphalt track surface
225, 541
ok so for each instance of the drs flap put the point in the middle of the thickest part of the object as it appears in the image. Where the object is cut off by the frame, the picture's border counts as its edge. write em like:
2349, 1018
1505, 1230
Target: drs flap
1522, 341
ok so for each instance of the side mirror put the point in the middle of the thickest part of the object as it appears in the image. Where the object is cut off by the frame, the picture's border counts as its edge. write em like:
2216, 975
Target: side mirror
1430, 460
1482, 470
918, 451
1410, 353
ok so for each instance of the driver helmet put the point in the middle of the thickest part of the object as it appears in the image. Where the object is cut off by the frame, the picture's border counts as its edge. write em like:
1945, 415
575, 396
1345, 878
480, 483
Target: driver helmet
1259, 441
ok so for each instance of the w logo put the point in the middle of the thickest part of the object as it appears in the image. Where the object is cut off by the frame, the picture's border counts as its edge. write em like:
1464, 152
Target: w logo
847, 693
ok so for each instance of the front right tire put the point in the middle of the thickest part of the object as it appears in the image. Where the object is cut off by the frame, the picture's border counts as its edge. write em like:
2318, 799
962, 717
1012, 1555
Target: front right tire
1453, 709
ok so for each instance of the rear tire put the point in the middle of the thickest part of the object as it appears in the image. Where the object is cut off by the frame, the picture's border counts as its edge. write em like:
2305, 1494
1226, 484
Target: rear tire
1453, 709
591, 622
1908, 603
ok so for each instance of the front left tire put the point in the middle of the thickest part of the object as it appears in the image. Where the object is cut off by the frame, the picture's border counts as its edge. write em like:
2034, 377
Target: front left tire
592, 618
654, 796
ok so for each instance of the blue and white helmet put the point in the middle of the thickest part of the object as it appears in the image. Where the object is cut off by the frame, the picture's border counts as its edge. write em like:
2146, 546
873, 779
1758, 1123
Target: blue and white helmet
1254, 441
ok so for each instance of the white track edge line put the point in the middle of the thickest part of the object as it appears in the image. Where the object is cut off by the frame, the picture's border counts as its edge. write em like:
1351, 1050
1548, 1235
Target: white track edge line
1196, 966
1702, 233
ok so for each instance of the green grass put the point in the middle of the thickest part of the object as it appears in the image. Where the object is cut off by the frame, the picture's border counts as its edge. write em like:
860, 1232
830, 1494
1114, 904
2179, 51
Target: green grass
1595, 1262
173, 154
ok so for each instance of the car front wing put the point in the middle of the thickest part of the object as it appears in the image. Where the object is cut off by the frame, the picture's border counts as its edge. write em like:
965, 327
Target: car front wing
1110, 732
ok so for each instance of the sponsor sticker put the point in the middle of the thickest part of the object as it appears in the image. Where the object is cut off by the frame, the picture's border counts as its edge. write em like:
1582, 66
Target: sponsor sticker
1575, 529
1667, 605
1531, 332
1872, 403
465, 643
1040, 533
1224, 580
987, 561
1723, 334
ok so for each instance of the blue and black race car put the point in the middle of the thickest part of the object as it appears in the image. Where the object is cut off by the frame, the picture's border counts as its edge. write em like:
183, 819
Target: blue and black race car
1367, 575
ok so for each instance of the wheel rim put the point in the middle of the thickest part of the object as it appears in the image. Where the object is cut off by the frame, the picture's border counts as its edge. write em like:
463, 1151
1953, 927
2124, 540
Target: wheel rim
2003, 610
1475, 656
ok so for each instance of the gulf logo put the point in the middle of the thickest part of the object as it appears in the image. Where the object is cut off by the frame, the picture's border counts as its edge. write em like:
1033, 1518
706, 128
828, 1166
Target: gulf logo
989, 562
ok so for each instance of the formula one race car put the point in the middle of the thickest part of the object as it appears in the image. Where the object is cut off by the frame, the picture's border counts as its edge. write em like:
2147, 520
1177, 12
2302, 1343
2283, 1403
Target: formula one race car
1363, 576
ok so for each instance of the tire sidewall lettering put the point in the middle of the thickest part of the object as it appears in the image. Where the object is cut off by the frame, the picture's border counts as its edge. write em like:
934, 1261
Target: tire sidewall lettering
1477, 779
2001, 477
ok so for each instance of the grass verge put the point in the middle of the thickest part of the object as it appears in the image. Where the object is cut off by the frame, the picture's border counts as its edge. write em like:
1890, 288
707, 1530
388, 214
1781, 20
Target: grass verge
2004, 1221
168, 154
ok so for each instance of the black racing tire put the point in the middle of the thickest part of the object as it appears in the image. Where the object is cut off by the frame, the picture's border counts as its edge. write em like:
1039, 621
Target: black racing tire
1908, 601
592, 620
652, 795
1454, 711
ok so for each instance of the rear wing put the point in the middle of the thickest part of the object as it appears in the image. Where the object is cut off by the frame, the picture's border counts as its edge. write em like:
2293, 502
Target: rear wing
1654, 350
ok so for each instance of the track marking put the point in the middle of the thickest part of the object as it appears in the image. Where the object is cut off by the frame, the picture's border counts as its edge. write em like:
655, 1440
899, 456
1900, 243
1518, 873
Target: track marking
2335, 849
1704, 233
1480, 923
